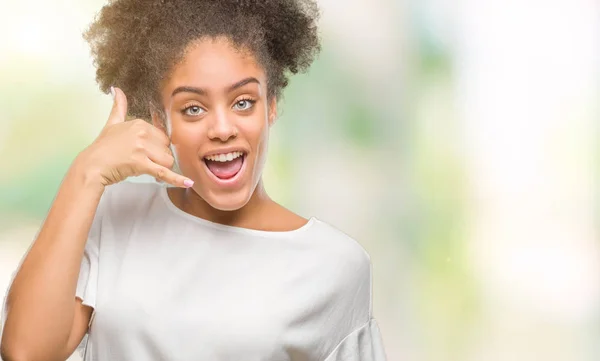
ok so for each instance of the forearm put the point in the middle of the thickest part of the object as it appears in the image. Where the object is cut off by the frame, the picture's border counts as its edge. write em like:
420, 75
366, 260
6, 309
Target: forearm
41, 300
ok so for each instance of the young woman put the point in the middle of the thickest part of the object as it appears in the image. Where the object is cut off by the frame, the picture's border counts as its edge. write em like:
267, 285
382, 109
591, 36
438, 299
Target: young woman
208, 267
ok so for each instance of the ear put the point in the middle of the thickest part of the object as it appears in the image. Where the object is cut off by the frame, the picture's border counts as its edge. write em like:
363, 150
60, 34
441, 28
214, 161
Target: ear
272, 111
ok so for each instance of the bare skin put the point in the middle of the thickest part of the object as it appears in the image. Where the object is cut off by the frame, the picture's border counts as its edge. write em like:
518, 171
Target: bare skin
217, 121
52, 329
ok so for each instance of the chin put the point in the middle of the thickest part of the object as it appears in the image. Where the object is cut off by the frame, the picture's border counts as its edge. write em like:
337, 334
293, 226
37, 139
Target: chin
227, 202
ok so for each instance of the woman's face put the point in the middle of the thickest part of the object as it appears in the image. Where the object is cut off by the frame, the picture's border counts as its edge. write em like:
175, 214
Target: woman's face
219, 117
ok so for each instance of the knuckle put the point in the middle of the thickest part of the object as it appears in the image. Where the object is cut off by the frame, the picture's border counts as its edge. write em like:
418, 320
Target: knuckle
160, 173
142, 133
138, 122
139, 145
139, 126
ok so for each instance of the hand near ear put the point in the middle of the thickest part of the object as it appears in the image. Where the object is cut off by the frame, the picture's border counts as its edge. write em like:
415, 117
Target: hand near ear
130, 148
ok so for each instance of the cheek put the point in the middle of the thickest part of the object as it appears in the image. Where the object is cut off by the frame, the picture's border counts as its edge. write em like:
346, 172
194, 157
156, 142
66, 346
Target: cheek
255, 133
186, 139
260, 147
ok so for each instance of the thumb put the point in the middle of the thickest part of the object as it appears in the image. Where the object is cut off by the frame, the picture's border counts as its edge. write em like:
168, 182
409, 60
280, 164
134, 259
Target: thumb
119, 109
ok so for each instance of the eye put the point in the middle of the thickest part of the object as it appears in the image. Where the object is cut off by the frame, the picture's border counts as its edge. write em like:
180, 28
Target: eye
193, 110
244, 104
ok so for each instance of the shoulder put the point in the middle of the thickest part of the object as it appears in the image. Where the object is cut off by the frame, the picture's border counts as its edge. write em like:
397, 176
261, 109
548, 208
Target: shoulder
346, 263
342, 279
343, 249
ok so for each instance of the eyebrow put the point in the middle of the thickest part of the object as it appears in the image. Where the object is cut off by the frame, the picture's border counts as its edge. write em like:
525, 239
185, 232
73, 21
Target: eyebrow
200, 91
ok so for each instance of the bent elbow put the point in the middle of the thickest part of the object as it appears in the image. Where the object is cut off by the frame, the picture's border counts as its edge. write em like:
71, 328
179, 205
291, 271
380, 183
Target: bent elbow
17, 352
10, 354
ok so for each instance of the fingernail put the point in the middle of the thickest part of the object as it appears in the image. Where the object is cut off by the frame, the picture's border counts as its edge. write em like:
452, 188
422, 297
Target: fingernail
188, 183
112, 92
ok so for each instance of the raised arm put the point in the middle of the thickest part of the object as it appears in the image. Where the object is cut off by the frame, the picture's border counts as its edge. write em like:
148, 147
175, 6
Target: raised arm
44, 319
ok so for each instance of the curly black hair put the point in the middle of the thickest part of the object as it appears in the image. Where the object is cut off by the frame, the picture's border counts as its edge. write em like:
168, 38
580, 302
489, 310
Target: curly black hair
135, 43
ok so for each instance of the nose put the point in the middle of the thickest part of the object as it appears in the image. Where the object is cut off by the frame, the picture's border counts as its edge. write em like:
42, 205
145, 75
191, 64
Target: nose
222, 127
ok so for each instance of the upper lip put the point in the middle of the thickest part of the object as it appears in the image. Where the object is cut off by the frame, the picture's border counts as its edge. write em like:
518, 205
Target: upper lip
224, 151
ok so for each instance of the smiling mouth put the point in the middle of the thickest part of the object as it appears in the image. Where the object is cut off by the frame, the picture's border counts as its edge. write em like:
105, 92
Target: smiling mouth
225, 166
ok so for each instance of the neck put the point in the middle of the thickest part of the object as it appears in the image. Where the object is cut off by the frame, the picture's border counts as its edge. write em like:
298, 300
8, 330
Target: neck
246, 217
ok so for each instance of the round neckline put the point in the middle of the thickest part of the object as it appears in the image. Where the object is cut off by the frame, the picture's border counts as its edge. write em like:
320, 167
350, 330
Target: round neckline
223, 227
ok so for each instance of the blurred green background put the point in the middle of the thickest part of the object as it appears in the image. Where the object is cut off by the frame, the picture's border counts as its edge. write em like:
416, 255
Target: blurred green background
456, 141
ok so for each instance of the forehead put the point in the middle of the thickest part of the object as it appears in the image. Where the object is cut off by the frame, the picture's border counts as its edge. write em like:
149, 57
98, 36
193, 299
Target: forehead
214, 63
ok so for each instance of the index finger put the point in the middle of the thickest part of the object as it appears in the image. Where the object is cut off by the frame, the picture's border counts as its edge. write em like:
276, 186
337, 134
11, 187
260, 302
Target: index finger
168, 176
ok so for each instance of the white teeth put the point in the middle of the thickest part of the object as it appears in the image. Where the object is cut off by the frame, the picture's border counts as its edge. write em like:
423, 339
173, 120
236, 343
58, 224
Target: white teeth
225, 157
